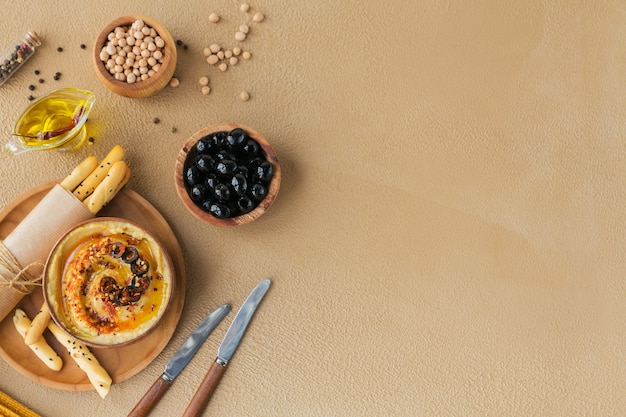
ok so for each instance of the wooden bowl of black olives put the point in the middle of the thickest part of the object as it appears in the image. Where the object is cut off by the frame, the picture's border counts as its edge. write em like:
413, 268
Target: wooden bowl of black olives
227, 174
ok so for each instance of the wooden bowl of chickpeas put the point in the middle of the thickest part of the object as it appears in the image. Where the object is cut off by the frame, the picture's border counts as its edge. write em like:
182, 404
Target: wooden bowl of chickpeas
135, 56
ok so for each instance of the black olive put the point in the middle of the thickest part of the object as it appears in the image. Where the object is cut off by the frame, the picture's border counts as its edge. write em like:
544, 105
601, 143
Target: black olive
236, 137
117, 249
192, 176
220, 211
204, 145
252, 147
108, 284
197, 192
140, 266
211, 181
243, 170
140, 283
204, 163
219, 139
240, 184
226, 154
206, 204
265, 171
130, 254
245, 204
222, 192
225, 167
258, 191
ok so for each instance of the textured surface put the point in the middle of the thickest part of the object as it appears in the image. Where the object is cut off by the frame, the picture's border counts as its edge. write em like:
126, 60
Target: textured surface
449, 237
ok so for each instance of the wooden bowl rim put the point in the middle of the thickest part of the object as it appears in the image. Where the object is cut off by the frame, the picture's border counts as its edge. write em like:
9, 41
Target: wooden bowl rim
246, 218
169, 265
144, 88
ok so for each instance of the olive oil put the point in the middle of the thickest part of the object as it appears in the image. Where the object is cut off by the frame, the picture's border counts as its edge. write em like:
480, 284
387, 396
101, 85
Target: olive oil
56, 120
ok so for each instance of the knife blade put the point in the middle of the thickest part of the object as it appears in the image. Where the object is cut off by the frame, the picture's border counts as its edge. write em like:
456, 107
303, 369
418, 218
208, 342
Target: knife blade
226, 350
180, 359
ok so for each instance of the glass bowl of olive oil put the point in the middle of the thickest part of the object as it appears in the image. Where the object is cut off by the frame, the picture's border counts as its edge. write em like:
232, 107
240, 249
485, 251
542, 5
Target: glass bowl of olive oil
54, 121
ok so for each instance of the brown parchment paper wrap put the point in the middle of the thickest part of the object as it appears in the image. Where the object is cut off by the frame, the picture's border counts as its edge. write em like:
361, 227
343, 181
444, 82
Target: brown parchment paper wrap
32, 240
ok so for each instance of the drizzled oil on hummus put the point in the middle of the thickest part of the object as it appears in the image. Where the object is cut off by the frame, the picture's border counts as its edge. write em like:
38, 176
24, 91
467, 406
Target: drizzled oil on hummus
109, 282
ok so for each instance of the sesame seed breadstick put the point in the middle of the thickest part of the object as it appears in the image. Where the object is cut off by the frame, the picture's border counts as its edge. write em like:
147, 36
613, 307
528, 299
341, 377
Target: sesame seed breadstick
38, 325
89, 184
79, 173
86, 361
41, 348
106, 190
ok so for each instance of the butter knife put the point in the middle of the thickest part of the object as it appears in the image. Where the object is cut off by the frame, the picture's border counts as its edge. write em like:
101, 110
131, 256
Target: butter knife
226, 350
180, 359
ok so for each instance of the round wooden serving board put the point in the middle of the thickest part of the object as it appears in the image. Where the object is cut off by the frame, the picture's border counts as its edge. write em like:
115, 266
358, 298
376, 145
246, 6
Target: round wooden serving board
121, 362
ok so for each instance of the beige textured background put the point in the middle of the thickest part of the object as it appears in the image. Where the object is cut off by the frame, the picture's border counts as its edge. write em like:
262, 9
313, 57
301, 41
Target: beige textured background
449, 238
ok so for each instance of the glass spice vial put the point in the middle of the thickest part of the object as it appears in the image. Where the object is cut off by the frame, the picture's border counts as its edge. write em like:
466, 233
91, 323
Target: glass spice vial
17, 53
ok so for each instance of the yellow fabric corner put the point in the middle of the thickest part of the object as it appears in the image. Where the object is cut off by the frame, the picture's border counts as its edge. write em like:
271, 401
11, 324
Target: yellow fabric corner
12, 408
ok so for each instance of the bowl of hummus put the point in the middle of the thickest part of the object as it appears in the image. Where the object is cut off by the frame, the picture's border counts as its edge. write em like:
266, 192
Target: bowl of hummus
108, 282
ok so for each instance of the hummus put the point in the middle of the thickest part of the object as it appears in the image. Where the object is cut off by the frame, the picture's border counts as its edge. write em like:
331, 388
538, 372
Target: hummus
108, 282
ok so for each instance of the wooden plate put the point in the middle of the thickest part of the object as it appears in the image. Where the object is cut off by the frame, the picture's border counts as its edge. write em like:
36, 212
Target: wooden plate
121, 362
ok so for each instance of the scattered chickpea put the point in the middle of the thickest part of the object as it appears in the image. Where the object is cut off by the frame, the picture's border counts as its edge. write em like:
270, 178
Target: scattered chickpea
236, 51
244, 96
212, 59
174, 82
206, 52
228, 53
244, 7
220, 55
258, 17
246, 55
214, 18
223, 66
240, 36
233, 61
206, 90
215, 48
203, 81
244, 28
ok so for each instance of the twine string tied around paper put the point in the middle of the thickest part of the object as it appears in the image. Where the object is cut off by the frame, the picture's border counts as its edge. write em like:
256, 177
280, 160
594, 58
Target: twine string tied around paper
20, 279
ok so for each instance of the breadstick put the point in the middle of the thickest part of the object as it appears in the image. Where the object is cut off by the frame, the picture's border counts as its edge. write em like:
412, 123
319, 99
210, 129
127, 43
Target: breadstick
85, 360
38, 325
106, 190
79, 173
89, 184
124, 181
41, 348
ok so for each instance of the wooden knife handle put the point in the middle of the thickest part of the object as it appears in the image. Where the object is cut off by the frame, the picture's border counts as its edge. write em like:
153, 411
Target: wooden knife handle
205, 390
150, 398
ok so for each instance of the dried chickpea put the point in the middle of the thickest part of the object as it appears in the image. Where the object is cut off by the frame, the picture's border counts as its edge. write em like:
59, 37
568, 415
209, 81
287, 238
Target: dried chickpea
223, 66
174, 82
240, 36
228, 53
233, 61
244, 96
206, 52
244, 28
215, 48
212, 59
203, 81
244, 7
246, 55
220, 54
236, 51
205, 90
258, 17
214, 18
